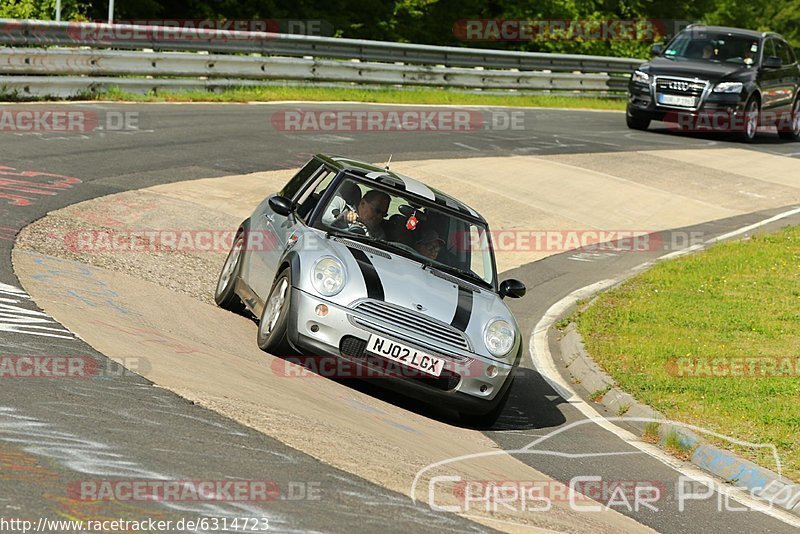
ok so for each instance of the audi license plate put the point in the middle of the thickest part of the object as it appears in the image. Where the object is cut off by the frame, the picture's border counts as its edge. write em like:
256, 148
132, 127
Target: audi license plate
675, 100
405, 355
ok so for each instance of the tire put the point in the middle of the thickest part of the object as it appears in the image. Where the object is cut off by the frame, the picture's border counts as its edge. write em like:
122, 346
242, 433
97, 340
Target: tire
752, 111
792, 133
272, 326
486, 420
225, 295
636, 123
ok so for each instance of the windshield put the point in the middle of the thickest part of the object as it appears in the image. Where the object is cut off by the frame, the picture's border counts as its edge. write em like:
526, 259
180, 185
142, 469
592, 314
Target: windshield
714, 47
404, 226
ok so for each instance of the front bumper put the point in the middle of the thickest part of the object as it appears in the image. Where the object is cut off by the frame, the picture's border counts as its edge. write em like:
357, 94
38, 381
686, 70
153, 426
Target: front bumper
464, 384
716, 110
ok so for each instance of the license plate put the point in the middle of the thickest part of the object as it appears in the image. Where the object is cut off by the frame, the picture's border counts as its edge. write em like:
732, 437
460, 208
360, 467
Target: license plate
675, 100
405, 355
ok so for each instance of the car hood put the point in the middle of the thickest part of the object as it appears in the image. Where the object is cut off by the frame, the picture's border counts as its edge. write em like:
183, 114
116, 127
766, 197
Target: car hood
692, 68
391, 278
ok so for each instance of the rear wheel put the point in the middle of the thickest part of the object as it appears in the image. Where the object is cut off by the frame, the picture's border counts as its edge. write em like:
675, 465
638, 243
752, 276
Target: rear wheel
272, 327
225, 295
791, 132
636, 123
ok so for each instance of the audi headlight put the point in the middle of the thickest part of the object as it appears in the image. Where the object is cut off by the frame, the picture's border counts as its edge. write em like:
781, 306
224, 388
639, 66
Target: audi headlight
729, 87
640, 77
328, 276
499, 337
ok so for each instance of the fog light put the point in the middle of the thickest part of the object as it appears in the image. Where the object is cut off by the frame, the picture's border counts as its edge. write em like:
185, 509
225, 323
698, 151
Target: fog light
491, 371
321, 310
315, 328
484, 388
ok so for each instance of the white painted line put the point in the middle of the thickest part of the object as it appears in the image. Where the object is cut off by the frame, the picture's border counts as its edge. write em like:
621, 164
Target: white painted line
462, 145
543, 362
755, 225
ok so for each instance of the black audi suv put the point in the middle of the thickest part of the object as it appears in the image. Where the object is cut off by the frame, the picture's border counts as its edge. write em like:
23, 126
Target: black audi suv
710, 78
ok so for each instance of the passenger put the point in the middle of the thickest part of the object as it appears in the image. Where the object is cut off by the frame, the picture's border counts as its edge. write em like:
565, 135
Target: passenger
429, 244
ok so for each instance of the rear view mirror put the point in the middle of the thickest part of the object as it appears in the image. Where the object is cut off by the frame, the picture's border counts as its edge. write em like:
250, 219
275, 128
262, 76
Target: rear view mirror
773, 62
280, 205
657, 49
512, 288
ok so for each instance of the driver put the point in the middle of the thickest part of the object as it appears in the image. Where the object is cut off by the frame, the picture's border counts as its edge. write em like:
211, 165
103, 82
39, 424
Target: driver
368, 214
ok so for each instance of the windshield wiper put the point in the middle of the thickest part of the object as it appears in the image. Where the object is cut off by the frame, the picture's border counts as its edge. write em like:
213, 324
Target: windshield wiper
378, 243
427, 263
463, 272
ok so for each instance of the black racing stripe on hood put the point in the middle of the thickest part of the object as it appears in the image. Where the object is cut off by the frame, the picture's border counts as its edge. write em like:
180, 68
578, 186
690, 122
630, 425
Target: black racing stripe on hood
464, 309
371, 278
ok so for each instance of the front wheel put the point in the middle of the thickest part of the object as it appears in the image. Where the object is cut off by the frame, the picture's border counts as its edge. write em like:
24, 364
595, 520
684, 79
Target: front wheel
486, 420
636, 123
791, 131
752, 111
272, 327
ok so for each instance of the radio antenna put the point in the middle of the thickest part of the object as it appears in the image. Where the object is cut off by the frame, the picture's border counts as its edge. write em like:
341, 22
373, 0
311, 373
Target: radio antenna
388, 162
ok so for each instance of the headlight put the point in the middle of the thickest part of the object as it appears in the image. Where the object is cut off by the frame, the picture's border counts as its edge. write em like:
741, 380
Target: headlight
640, 77
729, 87
499, 337
328, 276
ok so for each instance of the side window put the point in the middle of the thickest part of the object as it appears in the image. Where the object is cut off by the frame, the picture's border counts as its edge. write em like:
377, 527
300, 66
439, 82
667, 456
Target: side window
769, 48
310, 197
784, 52
297, 182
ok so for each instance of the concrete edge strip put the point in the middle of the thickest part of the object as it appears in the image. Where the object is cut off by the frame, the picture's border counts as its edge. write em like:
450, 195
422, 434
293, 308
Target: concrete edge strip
744, 476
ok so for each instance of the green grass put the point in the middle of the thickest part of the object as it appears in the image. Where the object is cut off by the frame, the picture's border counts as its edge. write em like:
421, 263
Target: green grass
650, 434
735, 299
387, 96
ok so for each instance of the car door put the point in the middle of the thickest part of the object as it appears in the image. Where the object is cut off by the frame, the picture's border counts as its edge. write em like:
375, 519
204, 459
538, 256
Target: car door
268, 231
788, 76
770, 78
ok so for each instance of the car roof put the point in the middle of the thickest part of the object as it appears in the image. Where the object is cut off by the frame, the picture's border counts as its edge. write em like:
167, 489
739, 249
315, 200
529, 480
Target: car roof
399, 181
733, 31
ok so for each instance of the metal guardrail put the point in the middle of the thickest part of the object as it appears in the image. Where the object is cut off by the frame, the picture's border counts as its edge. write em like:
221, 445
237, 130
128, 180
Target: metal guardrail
193, 58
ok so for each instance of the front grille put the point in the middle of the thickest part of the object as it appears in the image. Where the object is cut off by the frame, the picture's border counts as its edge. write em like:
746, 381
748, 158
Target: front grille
680, 86
390, 318
354, 348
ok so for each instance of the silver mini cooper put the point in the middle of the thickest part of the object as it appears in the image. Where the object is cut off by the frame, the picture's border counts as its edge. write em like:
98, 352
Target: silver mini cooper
370, 274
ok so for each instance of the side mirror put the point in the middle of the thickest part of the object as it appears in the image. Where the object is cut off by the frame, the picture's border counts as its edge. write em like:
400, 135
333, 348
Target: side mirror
773, 62
656, 49
280, 205
512, 288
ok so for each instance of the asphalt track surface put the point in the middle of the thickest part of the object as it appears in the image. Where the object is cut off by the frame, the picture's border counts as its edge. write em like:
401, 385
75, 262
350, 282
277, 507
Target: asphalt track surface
123, 426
